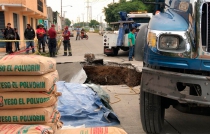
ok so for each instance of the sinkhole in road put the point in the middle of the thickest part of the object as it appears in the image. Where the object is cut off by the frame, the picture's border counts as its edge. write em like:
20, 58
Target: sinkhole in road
112, 74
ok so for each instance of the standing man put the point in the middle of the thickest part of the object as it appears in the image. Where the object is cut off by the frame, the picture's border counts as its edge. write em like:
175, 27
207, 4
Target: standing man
66, 42
52, 40
9, 34
29, 34
40, 32
78, 33
131, 43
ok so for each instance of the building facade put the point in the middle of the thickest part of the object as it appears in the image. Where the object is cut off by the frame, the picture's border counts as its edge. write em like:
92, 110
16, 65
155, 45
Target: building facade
49, 16
58, 24
20, 13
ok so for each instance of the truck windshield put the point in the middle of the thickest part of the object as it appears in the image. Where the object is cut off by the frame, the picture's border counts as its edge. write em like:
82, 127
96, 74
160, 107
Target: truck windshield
184, 8
141, 20
181, 5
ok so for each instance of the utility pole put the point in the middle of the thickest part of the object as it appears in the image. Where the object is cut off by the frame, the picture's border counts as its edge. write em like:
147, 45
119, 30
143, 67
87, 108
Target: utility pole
113, 1
61, 14
90, 12
83, 18
101, 21
64, 18
87, 11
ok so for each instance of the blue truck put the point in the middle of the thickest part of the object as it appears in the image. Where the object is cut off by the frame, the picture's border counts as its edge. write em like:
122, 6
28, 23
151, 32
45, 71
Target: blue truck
175, 50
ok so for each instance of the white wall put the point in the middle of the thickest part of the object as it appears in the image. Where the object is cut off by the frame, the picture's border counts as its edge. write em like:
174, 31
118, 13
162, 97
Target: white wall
59, 23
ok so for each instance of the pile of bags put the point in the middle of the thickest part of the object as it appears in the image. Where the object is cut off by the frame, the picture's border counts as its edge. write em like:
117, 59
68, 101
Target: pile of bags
28, 94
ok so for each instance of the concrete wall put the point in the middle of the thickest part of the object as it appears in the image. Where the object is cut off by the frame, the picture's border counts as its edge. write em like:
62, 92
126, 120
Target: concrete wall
58, 25
49, 16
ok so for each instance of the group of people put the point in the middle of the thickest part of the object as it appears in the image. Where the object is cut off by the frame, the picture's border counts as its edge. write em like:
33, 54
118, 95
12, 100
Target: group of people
42, 34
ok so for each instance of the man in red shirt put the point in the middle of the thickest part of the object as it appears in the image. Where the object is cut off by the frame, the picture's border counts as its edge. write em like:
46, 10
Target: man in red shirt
66, 42
52, 40
40, 32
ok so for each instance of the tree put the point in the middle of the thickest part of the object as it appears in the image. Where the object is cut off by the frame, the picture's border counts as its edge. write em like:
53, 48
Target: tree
67, 22
112, 11
93, 23
80, 24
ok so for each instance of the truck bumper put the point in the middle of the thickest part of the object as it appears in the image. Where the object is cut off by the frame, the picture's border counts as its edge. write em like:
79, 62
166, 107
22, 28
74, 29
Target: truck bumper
164, 83
108, 50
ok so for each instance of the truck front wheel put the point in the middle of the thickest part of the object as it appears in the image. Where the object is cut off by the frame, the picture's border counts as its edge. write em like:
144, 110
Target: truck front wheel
152, 112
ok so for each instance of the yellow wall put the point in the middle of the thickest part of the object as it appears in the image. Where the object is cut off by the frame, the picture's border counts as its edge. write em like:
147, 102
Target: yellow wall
26, 8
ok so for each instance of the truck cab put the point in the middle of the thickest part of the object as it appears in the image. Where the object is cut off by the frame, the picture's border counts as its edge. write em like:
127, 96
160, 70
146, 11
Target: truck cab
175, 50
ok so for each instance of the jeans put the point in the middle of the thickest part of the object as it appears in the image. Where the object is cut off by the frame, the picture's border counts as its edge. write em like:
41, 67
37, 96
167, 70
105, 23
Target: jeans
67, 45
78, 36
45, 39
17, 46
9, 47
52, 47
131, 52
41, 42
30, 44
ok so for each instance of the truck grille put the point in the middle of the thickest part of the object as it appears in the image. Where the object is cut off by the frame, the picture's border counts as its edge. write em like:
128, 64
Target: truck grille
205, 27
208, 30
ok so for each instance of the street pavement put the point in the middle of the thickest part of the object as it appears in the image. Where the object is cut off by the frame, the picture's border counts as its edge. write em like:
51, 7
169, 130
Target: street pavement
125, 101
128, 107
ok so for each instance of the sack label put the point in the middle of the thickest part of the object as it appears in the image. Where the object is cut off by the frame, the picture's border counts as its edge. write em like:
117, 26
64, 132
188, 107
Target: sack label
22, 85
22, 118
20, 68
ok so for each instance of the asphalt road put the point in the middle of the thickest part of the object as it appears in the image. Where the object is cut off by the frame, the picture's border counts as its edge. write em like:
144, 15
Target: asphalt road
128, 108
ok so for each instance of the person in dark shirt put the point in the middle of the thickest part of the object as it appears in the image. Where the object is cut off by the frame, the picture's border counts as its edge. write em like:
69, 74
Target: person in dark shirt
29, 35
66, 42
9, 34
17, 37
52, 41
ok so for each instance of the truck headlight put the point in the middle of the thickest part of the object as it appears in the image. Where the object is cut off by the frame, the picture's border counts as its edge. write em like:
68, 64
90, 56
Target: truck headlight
151, 39
169, 42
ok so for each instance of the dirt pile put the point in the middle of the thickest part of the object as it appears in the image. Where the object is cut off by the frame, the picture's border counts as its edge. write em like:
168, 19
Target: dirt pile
112, 75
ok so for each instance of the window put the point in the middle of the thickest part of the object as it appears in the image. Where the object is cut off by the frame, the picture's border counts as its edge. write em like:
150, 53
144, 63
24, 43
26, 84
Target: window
32, 22
2, 26
15, 20
36, 23
24, 22
141, 20
40, 5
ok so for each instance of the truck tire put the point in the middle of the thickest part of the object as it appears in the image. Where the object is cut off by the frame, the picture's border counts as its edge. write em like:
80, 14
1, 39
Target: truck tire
115, 51
152, 112
140, 42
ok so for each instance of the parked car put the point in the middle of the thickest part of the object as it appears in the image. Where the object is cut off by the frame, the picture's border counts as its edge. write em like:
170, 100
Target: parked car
71, 32
91, 30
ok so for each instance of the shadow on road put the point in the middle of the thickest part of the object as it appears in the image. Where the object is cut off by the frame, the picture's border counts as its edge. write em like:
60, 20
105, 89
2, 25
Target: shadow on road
181, 123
